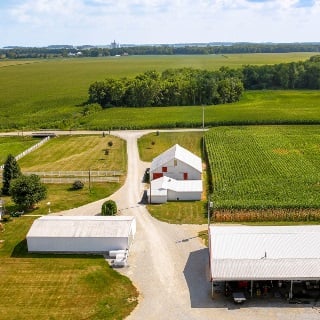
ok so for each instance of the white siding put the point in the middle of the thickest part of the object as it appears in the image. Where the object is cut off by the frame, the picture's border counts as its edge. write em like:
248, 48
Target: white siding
81, 234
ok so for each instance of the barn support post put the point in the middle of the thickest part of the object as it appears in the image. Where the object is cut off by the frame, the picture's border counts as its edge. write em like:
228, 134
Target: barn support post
291, 289
251, 290
211, 289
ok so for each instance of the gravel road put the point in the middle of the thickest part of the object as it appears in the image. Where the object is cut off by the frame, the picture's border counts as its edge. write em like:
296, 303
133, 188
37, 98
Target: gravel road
168, 263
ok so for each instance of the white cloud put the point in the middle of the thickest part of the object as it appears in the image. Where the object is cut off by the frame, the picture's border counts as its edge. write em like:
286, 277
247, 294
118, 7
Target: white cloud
161, 21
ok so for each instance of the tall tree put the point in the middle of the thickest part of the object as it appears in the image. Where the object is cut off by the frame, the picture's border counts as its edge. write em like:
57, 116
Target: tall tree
11, 171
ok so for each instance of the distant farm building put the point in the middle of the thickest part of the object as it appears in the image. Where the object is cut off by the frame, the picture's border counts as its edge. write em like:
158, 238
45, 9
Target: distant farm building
81, 234
175, 175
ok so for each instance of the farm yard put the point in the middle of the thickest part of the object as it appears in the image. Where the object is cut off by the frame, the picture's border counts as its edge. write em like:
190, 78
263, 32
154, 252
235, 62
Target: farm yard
80, 154
266, 173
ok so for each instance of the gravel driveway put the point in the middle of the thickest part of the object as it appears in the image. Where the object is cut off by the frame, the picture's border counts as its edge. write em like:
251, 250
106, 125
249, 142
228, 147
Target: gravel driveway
169, 265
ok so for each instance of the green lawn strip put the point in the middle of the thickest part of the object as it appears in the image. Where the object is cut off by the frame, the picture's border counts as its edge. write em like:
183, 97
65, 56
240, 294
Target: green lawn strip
61, 197
261, 167
58, 286
182, 212
15, 145
151, 145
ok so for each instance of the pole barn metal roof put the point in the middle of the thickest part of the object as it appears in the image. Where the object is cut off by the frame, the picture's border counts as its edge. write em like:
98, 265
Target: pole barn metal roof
81, 233
264, 253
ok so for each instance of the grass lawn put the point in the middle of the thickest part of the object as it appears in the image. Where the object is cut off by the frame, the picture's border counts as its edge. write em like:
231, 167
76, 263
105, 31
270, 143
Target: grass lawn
75, 153
15, 145
193, 212
57, 286
151, 145
61, 197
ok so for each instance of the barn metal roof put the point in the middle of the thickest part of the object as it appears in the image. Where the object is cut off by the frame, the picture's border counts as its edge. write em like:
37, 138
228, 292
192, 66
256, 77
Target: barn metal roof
258, 253
81, 226
166, 183
179, 153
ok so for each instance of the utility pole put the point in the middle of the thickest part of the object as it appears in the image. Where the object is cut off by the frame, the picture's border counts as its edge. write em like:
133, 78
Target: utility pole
89, 181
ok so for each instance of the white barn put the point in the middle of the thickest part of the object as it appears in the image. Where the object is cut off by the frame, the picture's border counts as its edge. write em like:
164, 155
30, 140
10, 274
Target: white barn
81, 234
260, 253
168, 189
177, 163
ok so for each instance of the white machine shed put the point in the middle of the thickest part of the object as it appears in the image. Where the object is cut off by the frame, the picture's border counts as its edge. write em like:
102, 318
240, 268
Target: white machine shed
264, 253
81, 234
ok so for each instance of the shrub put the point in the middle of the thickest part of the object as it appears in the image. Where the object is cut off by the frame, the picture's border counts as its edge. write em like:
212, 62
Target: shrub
110, 143
77, 185
26, 191
109, 208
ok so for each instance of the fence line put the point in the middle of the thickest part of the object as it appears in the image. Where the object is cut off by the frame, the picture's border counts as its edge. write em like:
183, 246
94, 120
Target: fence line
71, 180
36, 146
111, 173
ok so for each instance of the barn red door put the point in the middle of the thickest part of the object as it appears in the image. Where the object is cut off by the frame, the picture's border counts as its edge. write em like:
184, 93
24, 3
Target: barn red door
157, 175
185, 176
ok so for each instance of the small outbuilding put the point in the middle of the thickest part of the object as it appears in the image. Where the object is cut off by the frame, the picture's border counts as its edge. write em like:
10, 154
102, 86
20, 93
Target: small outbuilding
81, 234
277, 254
168, 189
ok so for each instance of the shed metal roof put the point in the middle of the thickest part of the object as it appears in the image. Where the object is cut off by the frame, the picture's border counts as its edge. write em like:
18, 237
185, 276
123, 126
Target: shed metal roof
166, 183
277, 252
179, 153
81, 226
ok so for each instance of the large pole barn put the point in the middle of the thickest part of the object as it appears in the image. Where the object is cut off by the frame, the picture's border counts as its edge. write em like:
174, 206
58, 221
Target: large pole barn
81, 234
268, 256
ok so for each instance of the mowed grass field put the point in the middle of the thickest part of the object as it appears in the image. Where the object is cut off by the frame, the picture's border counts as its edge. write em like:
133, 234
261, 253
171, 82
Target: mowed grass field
58, 287
50, 93
15, 145
74, 153
265, 167
77, 153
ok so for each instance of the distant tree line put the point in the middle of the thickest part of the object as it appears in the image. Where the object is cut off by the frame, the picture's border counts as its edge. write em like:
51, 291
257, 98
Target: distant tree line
172, 87
294, 75
88, 51
187, 86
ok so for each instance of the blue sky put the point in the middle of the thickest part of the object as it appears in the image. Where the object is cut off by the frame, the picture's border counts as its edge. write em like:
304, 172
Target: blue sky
76, 22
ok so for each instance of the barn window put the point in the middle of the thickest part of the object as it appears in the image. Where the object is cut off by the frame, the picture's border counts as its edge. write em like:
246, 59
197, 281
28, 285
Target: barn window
164, 169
